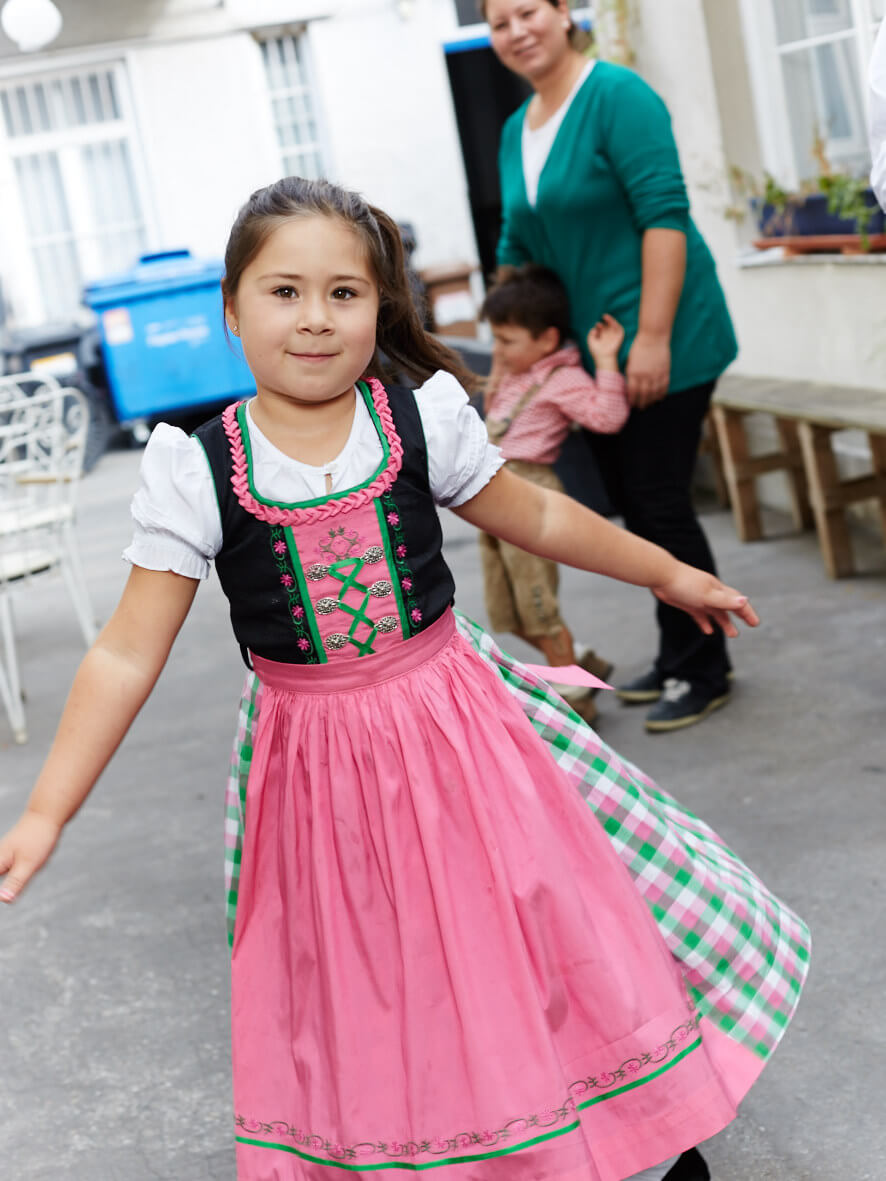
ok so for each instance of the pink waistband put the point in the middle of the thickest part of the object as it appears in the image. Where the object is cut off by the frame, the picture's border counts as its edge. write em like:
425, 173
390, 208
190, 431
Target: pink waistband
355, 671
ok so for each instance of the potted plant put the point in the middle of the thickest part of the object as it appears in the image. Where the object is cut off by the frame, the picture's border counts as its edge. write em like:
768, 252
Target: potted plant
830, 204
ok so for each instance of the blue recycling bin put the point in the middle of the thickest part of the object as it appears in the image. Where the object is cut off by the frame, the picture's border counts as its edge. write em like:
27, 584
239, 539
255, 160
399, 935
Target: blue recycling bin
163, 338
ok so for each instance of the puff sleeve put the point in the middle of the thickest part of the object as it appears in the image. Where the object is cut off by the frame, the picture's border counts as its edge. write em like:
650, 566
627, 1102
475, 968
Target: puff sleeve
461, 460
177, 525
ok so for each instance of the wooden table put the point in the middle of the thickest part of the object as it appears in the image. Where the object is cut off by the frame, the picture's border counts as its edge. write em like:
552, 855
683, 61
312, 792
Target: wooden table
806, 418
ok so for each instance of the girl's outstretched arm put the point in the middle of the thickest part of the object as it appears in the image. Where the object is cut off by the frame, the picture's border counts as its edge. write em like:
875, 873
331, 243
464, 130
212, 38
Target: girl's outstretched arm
113, 682
558, 527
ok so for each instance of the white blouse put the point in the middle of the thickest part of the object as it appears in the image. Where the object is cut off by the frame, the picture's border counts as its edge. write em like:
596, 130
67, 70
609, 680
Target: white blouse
537, 143
175, 509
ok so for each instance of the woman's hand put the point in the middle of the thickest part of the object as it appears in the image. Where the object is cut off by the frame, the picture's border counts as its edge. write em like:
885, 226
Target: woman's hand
604, 342
648, 370
706, 599
24, 849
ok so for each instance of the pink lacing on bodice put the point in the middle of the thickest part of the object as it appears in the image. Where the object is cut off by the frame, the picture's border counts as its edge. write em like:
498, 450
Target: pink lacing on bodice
276, 515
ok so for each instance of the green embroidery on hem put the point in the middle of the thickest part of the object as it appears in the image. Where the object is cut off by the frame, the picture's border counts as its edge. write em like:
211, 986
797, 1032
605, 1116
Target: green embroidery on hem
605, 1083
434, 1164
639, 1082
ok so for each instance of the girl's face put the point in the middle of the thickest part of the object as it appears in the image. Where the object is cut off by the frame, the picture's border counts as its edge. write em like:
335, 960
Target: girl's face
530, 37
306, 310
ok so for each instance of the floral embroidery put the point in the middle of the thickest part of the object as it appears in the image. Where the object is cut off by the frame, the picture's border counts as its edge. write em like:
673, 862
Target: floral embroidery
594, 1087
403, 571
340, 544
280, 550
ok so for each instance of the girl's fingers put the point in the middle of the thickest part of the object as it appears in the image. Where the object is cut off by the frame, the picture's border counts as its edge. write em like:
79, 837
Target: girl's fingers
728, 599
715, 604
747, 613
14, 882
724, 620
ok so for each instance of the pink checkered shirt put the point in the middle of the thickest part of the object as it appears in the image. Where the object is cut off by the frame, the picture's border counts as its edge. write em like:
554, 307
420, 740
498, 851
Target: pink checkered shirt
567, 396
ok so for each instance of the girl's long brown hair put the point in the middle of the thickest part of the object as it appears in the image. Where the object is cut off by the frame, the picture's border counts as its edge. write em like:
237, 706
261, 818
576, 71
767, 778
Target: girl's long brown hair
400, 334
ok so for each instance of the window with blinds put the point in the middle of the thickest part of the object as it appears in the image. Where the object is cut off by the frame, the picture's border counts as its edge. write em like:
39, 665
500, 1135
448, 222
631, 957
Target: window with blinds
69, 143
294, 107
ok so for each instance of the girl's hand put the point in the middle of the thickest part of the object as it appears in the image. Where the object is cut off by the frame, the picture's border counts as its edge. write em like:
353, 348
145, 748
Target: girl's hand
604, 342
648, 370
706, 599
24, 849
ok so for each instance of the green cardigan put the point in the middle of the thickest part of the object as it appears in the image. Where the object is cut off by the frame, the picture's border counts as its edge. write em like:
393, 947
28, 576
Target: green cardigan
613, 173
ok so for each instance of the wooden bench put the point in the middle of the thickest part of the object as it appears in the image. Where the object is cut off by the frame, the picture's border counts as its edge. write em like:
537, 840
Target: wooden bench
806, 418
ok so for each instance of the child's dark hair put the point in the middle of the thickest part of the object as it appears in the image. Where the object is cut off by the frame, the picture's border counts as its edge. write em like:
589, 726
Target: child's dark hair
531, 297
400, 335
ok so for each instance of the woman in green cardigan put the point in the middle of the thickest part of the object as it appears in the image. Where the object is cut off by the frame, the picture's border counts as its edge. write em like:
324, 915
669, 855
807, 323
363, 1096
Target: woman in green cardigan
592, 188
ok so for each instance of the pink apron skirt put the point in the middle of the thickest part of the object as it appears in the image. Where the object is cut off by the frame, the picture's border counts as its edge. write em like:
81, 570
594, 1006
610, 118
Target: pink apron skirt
440, 962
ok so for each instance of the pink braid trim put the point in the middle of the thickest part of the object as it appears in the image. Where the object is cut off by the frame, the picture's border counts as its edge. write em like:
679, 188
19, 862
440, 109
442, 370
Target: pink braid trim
273, 514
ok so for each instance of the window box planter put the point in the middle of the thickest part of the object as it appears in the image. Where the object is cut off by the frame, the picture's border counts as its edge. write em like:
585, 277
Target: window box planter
809, 216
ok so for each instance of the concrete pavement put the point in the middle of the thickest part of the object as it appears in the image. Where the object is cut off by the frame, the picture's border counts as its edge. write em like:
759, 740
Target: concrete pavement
114, 1027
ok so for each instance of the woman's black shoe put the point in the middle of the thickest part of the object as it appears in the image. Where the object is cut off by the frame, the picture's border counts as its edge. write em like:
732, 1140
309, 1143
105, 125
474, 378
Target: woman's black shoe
690, 1167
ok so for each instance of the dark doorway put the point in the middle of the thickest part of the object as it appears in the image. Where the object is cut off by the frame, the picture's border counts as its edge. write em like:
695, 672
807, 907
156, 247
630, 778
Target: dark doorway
484, 93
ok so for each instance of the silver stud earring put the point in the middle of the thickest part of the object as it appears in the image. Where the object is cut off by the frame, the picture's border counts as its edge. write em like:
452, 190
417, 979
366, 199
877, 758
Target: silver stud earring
235, 330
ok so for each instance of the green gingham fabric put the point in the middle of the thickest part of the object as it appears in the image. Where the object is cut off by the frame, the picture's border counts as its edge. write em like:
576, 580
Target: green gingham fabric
235, 794
744, 954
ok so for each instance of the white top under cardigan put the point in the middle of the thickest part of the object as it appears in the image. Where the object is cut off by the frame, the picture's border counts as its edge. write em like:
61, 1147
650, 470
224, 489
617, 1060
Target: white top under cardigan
537, 143
175, 509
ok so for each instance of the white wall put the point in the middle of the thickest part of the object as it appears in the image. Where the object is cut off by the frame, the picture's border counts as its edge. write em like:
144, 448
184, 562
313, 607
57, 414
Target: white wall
206, 135
812, 319
386, 98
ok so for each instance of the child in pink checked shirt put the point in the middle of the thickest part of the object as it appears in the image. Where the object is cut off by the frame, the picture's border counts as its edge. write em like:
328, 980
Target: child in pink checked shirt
537, 389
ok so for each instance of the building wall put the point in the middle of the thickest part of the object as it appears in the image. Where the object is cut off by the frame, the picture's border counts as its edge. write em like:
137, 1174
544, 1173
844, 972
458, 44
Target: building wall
385, 94
201, 168
204, 126
815, 319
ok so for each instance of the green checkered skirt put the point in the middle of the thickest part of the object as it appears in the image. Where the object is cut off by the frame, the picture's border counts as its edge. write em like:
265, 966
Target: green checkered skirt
744, 954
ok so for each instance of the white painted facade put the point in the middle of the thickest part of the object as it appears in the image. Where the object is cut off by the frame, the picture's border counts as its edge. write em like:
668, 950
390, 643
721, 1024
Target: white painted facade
817, 318
202, 137
201, 129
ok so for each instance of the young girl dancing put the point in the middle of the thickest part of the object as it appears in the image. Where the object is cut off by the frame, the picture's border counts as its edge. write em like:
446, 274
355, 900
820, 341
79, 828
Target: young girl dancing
466, 936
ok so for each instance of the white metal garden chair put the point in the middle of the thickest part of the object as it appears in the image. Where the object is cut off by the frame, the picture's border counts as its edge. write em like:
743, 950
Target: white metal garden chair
42, 444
